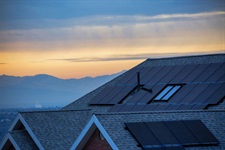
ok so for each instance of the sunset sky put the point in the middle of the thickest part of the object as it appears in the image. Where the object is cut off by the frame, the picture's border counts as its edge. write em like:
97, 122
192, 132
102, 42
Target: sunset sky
78, 38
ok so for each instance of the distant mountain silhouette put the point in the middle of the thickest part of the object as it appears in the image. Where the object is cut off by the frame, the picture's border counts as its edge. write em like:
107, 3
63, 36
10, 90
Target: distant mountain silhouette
45, 91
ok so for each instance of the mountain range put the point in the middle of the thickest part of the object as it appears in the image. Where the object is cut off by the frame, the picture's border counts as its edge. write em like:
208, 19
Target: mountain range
46, 91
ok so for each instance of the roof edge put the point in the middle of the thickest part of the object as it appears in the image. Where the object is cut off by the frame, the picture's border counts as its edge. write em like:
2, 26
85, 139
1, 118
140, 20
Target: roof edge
186, 56
93, 122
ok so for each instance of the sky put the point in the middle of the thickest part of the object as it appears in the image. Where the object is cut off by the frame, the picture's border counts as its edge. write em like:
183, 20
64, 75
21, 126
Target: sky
78, 38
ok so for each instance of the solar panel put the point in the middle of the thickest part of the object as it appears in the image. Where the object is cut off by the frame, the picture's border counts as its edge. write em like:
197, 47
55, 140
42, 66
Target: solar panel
185, 107
151, 74
171, 135
198, 106
184, 91
129, 75
217, 95
155, 90
111, 94
142, 134
157, 77
149, 107
181, 132
138, 107
218, 74
144, 73
195, 73
162, 133
183, 73
116, 98
211, 68
212, 88
195, 92
201, 132
137, 96
101, 95
115, 108
173, 107
161, 107
172, 74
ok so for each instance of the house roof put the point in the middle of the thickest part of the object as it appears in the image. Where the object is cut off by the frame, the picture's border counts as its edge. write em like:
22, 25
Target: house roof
202, 80
114, 124
23, 140
199, 96
56, 129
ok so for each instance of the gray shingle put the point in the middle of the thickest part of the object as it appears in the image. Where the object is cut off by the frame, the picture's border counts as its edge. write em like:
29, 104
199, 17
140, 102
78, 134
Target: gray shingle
23, 140
57, 129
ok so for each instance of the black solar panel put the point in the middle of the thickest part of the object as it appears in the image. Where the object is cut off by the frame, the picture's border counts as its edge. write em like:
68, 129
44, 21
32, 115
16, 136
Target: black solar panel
115, 108
195, 73
148, 96
183, 92
201, 132
116, 98
101, 95
172, 74
181, 132
161, 107
129, 76
218, 74
111, 94
143, 135
195, 92
171, 135
162, 133
138, 107
173, 107
149, 107
212, 88
158, 76
186, 106
183, 73
218, 95
150, 74
138, 96
211, 68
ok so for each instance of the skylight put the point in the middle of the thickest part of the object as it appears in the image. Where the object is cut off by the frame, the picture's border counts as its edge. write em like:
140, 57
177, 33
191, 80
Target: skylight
167, 92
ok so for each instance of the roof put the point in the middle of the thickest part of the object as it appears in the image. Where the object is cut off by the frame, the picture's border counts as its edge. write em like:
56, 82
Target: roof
201, 78
23, 140
114, 124
165, 89
56, 129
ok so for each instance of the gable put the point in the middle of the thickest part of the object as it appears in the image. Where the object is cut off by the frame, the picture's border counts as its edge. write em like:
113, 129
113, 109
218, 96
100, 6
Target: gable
87, 133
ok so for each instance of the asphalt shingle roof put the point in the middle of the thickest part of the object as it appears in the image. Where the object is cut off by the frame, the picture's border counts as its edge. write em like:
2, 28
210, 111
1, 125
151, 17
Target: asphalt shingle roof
114, 125
57, 129
23, 140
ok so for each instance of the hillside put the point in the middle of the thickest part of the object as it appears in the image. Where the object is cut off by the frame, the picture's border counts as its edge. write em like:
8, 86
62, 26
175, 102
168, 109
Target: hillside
45, 91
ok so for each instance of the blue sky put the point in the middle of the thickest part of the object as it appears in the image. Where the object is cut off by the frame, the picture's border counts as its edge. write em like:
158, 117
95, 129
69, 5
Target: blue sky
44, 36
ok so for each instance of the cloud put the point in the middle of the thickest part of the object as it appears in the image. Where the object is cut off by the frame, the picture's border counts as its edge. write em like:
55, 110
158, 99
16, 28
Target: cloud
125, 57
3, 63
119, 31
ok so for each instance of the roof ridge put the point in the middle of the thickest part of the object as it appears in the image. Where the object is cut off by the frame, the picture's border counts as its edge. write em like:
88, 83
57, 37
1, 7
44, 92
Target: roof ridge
186, 56
60, 110
152, 112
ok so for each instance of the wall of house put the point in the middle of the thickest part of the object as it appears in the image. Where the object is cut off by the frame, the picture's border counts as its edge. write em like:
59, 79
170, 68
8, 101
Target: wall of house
96, 143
